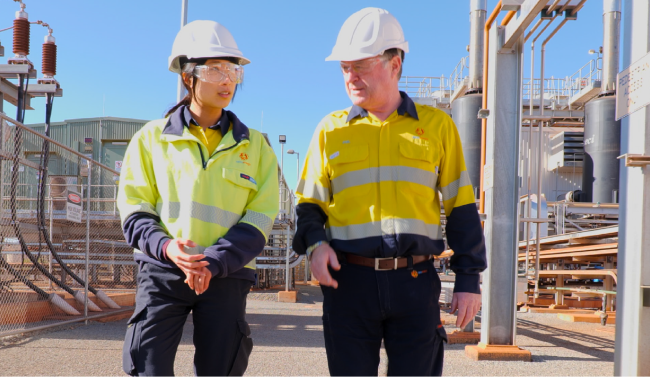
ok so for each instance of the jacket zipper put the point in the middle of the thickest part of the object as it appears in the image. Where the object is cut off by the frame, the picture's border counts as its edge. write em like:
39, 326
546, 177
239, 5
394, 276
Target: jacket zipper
204, 162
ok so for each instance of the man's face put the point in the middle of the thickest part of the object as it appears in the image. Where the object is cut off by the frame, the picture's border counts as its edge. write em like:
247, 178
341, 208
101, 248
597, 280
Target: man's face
369, 81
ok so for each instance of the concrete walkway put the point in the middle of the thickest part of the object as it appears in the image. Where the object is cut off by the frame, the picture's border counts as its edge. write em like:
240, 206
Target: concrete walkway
288, 341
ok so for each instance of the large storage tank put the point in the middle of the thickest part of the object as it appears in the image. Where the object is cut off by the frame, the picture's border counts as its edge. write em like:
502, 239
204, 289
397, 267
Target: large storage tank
464, 112
602, 147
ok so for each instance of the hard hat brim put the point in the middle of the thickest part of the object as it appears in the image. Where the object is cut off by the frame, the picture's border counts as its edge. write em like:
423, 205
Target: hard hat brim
351, 56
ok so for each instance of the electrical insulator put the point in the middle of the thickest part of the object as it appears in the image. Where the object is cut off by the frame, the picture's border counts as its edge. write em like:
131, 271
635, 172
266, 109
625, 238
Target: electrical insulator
49, 56
21, 36
21, 32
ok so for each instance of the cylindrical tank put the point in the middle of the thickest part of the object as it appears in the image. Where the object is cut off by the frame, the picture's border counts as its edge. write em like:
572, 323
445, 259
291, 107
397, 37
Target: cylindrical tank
602, 147
464, 112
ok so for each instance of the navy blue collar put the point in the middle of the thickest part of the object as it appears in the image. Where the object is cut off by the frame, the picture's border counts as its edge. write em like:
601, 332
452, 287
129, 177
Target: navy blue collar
182, 117
407, 106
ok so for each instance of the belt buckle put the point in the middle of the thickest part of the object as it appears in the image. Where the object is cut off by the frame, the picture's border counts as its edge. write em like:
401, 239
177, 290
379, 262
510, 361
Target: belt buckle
385, 269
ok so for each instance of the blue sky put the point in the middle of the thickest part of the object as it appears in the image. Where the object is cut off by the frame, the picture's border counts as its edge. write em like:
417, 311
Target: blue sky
112, 55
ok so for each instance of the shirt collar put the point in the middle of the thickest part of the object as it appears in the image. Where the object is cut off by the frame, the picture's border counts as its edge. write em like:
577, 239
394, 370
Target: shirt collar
406, 107
222, 124
182, 117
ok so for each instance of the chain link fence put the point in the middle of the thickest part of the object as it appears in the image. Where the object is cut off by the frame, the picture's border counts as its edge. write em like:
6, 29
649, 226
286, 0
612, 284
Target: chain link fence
62, 253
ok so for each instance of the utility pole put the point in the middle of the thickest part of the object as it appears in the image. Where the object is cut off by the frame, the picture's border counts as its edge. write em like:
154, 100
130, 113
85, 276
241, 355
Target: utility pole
180, 92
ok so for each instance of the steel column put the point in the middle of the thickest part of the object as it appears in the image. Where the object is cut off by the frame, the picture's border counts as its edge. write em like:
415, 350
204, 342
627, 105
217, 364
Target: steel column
633, 318
501, 194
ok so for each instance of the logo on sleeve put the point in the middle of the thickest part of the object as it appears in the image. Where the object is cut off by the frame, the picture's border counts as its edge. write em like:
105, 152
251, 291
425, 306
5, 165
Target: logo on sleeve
247, 177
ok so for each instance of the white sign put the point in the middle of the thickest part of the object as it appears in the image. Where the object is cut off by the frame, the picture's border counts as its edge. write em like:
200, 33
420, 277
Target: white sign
633, 87
118, 166
73, 206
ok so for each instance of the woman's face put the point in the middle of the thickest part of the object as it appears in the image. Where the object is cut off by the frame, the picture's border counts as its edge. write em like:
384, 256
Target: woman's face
213, 94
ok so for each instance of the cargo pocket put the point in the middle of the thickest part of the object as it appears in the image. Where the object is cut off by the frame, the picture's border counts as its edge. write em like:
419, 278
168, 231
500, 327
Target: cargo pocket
132, 342
245, 348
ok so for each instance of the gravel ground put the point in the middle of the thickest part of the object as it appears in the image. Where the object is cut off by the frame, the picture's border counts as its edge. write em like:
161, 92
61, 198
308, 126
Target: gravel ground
288, 341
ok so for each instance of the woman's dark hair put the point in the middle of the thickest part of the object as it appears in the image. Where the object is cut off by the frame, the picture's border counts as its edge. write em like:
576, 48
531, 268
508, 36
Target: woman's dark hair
188, 68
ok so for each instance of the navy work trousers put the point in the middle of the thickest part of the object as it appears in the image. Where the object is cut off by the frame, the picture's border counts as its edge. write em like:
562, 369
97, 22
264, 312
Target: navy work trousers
395, 306
163, 302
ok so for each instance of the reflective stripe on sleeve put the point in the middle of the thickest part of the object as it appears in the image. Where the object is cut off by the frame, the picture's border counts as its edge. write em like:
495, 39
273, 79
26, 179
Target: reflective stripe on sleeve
198, 211
260, 220
451, 190
384, 173
312, 190
383, 228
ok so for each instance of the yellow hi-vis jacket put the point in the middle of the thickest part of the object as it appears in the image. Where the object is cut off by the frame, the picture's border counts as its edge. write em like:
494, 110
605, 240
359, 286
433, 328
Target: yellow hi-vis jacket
374, 186
225, 202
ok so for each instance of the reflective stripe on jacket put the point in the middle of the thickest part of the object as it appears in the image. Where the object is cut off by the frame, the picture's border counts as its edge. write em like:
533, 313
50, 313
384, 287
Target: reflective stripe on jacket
168, 173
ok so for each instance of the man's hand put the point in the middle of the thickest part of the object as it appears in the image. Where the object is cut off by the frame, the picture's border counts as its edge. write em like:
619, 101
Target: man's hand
189, 264
467, 304
199, 283
322, 257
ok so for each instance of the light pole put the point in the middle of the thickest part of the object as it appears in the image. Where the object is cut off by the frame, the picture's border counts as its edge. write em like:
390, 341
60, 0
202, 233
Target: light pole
597, 52
291, 151
283, 139
180, 90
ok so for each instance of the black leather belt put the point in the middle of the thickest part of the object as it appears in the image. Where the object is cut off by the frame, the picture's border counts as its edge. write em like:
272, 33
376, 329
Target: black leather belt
385, 264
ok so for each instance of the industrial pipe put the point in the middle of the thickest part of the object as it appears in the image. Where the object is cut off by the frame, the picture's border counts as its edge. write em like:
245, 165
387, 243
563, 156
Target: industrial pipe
611, 34
539, 151
478, 9
486, 44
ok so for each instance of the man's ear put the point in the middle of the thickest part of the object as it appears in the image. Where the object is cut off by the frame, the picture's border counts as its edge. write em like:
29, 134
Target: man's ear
395, 65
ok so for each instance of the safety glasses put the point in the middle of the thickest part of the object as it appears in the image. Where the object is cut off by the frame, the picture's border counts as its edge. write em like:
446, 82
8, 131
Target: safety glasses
217, 73
361, 66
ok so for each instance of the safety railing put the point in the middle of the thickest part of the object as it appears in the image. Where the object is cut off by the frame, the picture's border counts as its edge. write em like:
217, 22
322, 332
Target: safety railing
562, 89
459, 74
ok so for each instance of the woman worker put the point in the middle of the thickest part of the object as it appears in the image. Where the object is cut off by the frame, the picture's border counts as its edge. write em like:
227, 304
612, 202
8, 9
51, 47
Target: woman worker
197, 198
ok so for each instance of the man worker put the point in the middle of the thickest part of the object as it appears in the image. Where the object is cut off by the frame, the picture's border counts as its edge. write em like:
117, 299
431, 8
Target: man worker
369, 212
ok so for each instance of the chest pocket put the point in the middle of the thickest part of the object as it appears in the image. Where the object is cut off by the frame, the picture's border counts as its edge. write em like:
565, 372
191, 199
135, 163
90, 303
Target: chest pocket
240, 179
418, 169
349, 169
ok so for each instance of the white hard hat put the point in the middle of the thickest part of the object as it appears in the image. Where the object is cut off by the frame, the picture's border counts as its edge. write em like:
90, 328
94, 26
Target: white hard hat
203, 39
367, 33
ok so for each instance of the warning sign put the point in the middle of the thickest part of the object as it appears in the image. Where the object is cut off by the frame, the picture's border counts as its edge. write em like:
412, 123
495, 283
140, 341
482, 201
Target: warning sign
73, 206
633, 89
118, 166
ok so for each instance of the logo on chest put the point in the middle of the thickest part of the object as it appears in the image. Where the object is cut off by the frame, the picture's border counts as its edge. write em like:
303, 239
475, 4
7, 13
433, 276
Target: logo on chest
243, 157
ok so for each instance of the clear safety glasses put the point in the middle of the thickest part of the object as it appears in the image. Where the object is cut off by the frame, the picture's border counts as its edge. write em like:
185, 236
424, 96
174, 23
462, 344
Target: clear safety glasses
217, 73
361, 66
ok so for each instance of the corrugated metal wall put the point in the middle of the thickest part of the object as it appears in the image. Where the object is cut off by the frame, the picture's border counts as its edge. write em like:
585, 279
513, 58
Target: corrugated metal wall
554, 182
73, 132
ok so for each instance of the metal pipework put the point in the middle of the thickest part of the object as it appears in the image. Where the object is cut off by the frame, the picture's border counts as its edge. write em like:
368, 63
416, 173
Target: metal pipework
539, 152
486, 43
478, 10
611, 38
